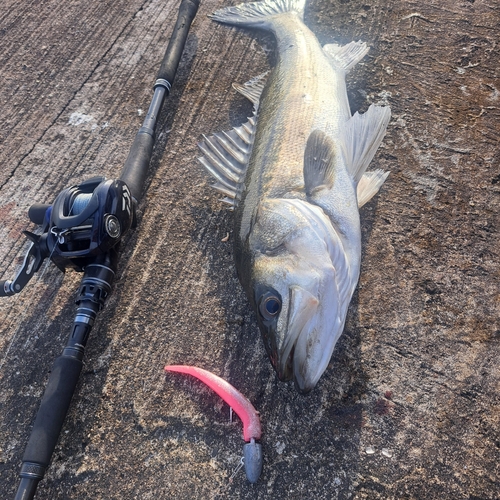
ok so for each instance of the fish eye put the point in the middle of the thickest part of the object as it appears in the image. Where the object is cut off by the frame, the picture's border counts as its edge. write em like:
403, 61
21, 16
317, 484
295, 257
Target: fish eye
269, 306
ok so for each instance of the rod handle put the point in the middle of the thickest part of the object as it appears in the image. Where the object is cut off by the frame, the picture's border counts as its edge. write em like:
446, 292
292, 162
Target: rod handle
136, 167
52, 412
168, 68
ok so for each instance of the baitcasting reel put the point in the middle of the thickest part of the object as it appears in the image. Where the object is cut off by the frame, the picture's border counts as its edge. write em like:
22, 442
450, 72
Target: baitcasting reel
83, 223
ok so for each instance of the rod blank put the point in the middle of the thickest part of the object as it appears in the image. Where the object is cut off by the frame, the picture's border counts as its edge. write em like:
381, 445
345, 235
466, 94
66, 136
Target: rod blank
137, 164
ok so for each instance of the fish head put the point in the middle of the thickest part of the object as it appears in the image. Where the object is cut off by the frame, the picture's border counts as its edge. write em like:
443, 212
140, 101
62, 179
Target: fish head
295, 288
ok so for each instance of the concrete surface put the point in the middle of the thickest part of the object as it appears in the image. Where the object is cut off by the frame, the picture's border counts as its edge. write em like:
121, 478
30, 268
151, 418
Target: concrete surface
409, 406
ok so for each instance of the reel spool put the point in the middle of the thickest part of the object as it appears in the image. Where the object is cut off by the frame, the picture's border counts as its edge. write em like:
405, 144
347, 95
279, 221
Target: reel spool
87, 220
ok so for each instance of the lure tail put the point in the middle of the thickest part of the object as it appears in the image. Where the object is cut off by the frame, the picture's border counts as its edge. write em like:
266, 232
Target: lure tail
239, 403
252, 451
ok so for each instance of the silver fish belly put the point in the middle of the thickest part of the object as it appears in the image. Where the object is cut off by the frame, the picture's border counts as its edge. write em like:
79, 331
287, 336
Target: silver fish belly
295, 174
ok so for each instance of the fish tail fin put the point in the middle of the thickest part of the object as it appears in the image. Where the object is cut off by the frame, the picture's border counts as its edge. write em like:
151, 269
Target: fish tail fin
258, 14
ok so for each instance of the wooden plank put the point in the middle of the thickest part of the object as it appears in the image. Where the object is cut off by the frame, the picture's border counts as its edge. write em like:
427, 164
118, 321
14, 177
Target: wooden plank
415, 373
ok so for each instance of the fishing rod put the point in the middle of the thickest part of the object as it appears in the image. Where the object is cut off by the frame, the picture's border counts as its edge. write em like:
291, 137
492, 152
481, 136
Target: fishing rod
81, 230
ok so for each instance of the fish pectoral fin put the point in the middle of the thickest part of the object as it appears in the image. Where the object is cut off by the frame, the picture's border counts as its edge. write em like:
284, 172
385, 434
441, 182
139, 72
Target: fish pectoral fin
362, 136
369, 184
320, 158
347, 56
253, 89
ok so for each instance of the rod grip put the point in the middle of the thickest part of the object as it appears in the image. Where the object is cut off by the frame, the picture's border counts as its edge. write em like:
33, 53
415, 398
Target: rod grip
136, 166
168, 68
52, 411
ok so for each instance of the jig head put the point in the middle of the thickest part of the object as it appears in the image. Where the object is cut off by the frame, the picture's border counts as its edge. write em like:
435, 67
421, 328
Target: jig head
252, 451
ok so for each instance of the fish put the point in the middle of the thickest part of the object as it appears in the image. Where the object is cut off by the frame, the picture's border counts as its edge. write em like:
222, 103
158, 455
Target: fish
295, 175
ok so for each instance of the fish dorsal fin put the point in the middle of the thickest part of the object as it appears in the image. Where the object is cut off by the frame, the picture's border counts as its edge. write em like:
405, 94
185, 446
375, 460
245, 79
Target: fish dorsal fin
253, 89
320, 157
345, 56
369, 184
226, 154
362, 136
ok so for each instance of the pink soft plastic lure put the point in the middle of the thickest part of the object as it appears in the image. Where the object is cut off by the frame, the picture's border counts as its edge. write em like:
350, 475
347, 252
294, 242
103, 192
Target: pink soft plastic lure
240, 404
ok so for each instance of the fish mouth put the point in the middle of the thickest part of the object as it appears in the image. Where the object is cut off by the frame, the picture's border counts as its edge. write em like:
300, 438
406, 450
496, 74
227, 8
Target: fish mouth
290, 357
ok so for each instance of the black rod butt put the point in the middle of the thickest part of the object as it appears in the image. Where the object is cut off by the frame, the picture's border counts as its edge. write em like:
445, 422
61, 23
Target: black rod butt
27, 488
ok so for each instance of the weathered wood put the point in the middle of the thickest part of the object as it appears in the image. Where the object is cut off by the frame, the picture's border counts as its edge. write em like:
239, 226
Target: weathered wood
416, 371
